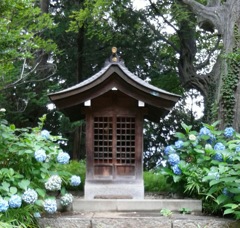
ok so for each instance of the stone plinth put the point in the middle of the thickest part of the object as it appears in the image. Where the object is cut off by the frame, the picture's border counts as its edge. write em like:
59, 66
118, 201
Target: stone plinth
114, 191
98, 205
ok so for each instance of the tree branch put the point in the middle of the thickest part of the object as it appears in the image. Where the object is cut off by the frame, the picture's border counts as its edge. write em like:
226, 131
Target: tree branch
206, 62
155, 31
210, 13
21, 82
153, 5
158, 34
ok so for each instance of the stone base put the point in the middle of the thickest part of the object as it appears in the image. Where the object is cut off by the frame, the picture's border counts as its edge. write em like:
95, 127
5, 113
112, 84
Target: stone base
97, 205
114, 191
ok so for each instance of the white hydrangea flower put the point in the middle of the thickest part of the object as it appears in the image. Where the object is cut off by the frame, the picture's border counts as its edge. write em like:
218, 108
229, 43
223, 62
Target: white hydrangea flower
30, 196
53, 183
192, 137
66, 199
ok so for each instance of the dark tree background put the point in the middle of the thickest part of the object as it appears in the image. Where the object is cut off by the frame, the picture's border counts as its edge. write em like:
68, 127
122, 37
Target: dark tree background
179, 45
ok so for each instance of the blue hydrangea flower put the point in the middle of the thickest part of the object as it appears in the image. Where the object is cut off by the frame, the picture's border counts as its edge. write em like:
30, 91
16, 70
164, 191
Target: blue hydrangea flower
218, 157
173, 159
228, 132
219, 146
212, 139
169, 150
214, 172
63, 158
50, 206
45, 134
66, 199
3, 205
40, 155
53, 183
227, 193
216, 175
176, 170
179, 144
75, 180
30, 196
15, 201
237, 149
204, 131
37, 215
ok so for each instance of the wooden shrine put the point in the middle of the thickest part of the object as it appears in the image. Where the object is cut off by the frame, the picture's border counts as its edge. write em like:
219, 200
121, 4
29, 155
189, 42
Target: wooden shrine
114, 103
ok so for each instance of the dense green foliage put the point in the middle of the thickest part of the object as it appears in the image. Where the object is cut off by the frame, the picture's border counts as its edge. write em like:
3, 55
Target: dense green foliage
155, 182
79, 169
21, 37
30, 171
205, 165
161, 42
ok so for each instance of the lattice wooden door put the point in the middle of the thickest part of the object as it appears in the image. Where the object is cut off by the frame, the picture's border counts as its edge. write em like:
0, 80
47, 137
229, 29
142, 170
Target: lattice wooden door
114, 147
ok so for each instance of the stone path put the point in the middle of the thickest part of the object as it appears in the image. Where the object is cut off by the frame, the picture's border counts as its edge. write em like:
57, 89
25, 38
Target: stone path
141, 219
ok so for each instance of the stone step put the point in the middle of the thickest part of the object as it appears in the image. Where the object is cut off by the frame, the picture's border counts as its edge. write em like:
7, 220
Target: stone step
133, 220
136, 205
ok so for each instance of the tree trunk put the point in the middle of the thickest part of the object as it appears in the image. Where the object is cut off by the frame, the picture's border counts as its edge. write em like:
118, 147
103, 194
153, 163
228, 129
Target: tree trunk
78, 151
80, 57
225, 18
44, 5
236, 120
42, 57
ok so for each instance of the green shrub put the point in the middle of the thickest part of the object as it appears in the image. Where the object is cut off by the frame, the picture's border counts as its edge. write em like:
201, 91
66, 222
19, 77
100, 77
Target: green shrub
77, 168
29, 171
206, 165
155, 182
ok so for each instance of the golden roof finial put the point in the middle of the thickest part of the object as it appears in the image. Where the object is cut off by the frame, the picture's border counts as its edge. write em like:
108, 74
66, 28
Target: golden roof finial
114, 55
114, 50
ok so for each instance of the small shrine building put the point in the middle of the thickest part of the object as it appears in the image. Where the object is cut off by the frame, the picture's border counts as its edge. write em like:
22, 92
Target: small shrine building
114, 103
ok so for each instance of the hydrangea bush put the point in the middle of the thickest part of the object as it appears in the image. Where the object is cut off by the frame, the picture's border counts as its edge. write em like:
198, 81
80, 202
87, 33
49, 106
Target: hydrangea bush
29, 172
207, 164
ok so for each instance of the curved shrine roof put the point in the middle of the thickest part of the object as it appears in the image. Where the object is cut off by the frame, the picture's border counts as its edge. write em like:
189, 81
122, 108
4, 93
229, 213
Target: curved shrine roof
114, 75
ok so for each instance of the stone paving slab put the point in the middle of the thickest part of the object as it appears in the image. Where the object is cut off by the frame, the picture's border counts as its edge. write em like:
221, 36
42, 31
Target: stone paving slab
136, 205
134, 220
